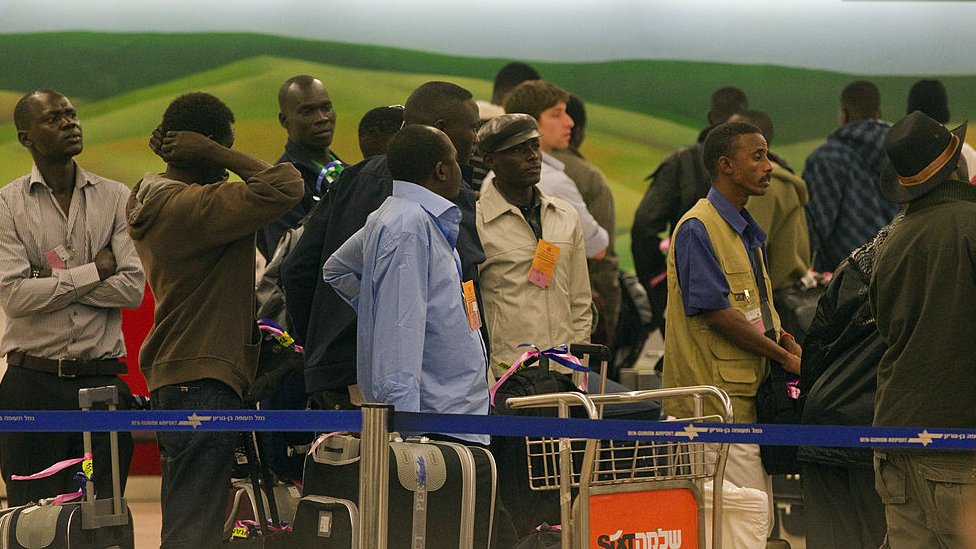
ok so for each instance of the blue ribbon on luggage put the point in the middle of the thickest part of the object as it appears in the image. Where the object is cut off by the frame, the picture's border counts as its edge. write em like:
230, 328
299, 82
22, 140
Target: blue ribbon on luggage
930, 438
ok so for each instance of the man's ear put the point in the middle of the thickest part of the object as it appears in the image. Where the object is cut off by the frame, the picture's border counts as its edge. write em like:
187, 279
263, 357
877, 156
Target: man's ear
440, 171
439, 124
725, 165
24, 139
282, 119
489, 160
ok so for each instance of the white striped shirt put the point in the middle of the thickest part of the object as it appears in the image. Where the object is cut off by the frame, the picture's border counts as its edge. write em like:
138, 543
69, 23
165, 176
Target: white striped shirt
70, 314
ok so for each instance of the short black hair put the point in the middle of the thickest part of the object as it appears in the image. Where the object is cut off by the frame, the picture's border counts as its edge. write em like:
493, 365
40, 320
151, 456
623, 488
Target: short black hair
414, 151
761, 120
720, 142
303, 81
930, 97
432, 100
576, 109
199, 112
508, 77
24, 109
861, 100
725, 102
385, 120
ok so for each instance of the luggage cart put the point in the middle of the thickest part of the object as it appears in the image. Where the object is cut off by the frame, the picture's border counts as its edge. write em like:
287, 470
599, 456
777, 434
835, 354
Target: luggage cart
649, 492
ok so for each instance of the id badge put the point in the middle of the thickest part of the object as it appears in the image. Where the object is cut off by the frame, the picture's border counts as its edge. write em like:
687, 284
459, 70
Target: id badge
471, 306
544, 263
57, 258
755, 317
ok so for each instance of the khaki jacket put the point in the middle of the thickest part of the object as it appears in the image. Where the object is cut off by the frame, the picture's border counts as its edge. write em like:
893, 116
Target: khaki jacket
516, 311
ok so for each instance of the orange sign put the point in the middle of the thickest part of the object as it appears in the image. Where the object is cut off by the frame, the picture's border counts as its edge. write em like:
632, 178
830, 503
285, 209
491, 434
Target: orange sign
651, 519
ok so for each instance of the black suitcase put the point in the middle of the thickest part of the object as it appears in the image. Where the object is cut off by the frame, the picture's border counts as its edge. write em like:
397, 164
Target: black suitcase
93, 523
324, 522
449, 487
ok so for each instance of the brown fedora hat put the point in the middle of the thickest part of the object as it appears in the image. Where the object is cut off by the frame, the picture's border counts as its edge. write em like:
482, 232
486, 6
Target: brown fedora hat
921, 154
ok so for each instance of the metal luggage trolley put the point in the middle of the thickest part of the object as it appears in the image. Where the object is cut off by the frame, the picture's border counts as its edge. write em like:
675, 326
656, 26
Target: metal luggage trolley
649, 492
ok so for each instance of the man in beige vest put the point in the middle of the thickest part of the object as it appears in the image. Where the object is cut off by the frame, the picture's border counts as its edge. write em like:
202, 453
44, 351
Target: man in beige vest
722, 328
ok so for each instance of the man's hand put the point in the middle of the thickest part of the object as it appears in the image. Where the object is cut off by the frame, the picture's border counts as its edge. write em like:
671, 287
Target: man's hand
156, 141
105, 263
792, 365
184, 147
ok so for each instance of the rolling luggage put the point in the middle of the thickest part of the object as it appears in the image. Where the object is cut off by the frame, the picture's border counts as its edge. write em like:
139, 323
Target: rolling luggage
442, 494
324, 522
92, 523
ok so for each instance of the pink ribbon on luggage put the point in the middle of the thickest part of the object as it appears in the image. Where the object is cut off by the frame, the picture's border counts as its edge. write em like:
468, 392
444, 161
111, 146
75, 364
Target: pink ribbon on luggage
558, 354
57, 467
273, 328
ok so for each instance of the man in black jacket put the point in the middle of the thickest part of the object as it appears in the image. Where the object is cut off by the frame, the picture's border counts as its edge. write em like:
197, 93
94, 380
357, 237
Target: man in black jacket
676, 184
838, 379
923, 295
307, 114
321, 321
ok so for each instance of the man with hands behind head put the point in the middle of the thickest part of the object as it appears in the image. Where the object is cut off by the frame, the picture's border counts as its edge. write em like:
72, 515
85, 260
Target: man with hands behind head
195, 233
67, 266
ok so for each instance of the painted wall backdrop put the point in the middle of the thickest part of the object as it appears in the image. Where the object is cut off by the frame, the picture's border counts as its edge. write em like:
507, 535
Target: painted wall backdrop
645, 67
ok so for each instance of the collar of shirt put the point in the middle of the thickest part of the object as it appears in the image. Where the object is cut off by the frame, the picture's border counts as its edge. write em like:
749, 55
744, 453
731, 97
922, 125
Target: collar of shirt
299, 155
552, 161
81, 177
446, 215
493, 203
741, 222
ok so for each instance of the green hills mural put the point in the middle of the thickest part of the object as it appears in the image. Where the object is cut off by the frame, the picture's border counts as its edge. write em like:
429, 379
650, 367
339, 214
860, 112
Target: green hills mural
639, 110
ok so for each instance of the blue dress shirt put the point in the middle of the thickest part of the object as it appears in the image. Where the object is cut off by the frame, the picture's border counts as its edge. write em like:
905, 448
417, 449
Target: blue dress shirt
704, 286
402, 275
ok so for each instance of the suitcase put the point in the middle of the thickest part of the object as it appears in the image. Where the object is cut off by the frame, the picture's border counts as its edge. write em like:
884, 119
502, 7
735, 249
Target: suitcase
324, 522
450, 488
92, 523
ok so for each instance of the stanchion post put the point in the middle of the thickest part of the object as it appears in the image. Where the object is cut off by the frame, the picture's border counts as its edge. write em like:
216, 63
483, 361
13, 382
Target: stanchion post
374, 476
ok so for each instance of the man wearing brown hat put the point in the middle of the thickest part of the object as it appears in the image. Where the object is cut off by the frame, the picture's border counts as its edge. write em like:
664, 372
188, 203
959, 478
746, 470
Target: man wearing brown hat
923, 294
534, 281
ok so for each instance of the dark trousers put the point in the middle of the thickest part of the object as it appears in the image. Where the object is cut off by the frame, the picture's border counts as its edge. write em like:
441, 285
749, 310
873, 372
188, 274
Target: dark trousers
196, 466
841, 506
29, 453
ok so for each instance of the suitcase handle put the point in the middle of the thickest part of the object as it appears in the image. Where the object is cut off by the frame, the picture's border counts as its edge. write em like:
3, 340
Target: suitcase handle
96, 513
98, 395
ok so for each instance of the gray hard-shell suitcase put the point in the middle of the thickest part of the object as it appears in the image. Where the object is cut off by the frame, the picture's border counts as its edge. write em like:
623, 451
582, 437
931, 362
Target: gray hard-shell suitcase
442, 494
90, 524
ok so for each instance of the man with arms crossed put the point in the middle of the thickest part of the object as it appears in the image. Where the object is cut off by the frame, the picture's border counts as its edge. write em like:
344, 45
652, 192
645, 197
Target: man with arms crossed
67, 266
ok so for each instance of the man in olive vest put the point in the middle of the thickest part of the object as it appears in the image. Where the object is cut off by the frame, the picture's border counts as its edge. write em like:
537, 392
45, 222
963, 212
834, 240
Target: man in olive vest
722, 327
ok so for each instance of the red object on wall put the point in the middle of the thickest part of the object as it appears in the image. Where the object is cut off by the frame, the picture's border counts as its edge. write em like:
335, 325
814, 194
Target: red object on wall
136, 324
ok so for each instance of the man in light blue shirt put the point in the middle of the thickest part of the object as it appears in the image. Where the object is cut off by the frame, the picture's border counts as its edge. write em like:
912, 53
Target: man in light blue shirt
419, 346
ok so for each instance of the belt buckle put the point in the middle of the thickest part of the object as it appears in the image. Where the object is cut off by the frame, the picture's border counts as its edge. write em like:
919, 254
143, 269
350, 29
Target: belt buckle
60, 373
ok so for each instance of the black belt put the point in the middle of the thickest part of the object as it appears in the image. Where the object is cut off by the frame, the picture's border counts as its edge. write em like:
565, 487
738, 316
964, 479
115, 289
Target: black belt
67, 367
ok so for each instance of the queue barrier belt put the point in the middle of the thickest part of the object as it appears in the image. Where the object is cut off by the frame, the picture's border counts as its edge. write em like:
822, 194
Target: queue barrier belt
930, 438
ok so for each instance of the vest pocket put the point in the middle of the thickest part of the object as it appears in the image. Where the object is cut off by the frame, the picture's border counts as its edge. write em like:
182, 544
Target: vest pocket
736, 367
